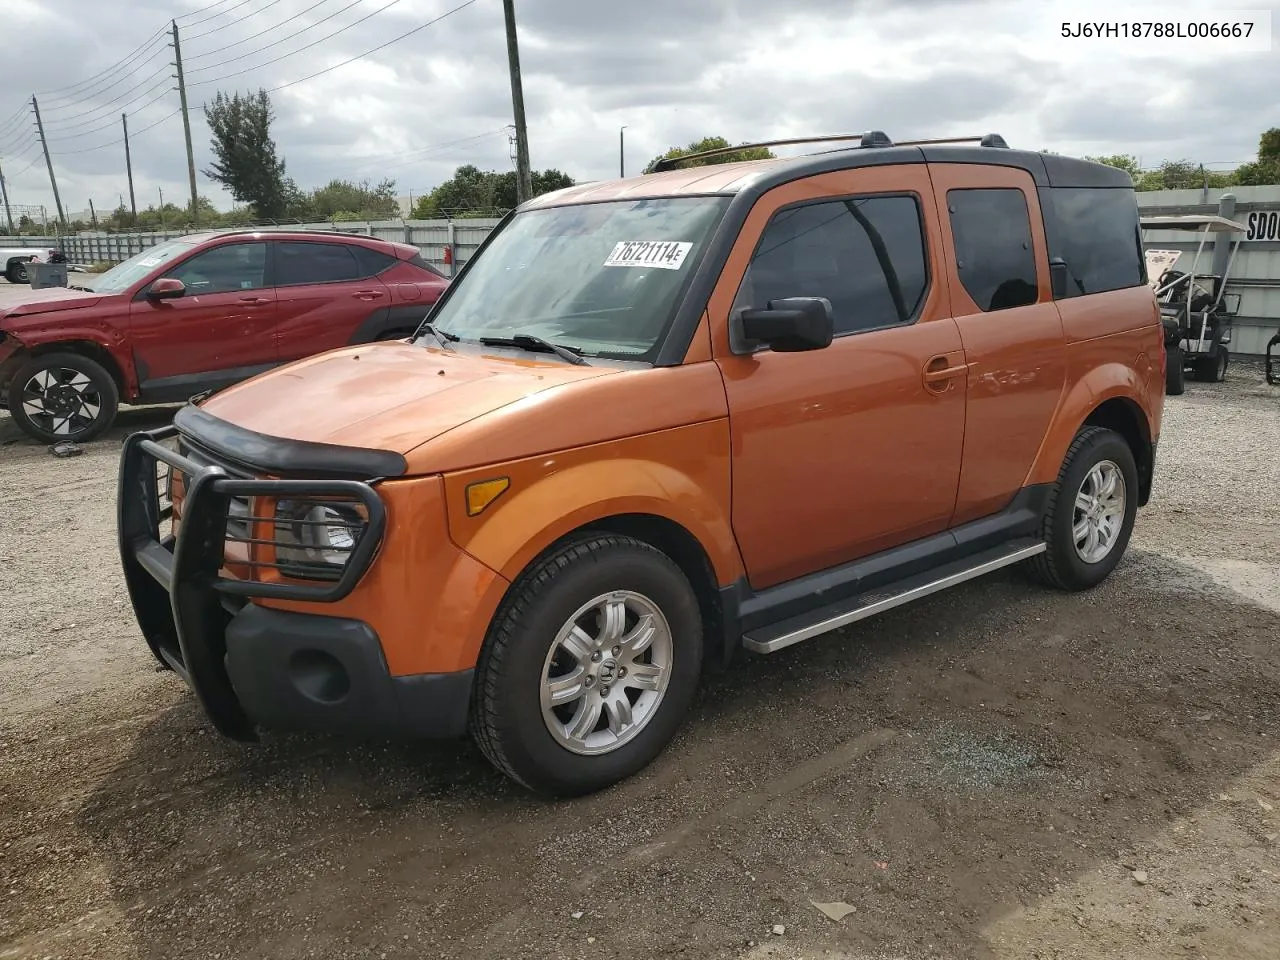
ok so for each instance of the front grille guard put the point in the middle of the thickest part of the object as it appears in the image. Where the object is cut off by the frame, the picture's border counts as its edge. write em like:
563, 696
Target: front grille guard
176, 585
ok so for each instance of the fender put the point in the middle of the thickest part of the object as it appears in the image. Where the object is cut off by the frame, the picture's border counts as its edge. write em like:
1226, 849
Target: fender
1105, 382
680, 475
32, 337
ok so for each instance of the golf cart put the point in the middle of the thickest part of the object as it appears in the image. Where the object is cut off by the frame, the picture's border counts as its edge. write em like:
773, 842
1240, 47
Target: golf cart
1197, 316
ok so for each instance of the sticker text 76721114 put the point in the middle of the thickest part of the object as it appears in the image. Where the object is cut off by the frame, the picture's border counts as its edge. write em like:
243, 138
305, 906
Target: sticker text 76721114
664, 254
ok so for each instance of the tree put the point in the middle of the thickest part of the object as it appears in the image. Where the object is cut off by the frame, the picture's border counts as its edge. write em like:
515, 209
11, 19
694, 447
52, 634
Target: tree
359, 201
714, 143
1266, 169
472, 191
1123, 162
246, 162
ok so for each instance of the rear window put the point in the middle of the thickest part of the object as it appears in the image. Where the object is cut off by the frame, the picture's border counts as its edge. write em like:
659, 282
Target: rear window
372, 262
1096, 232
994, 255
417, 261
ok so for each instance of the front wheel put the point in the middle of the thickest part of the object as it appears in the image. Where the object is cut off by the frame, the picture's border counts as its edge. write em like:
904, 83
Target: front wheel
589, 667
59, 397
1091, 511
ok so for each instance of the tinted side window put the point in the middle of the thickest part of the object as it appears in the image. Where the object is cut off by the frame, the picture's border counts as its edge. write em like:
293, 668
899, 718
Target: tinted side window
864, 254
298, 263
1097, 233
372, 262
994, 256
232, 266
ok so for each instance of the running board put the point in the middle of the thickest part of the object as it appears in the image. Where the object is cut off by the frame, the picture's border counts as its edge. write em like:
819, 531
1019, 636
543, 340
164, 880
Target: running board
775, 637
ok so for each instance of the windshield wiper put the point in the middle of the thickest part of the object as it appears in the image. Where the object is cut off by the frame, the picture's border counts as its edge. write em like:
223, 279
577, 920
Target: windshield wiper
76, 286
527, 341
442, 337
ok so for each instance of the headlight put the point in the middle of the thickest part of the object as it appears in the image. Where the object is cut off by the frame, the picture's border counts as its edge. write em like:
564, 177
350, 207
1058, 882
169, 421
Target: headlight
315, 540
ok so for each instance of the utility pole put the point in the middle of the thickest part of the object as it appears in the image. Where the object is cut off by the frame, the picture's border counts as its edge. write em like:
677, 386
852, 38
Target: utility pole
161, 189
622, 152
93, 214
186, 125
47, 162
524, 181
128, 166
4, 192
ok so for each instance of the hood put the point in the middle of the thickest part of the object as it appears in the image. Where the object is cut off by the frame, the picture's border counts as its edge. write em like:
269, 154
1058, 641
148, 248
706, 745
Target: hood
48, 300
386, 396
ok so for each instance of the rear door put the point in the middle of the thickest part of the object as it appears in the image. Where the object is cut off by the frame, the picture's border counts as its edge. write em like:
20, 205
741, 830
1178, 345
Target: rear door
327, 291
1001, 295
220, 331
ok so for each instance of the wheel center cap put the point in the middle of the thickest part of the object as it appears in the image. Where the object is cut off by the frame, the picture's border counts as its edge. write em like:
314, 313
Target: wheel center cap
608, 671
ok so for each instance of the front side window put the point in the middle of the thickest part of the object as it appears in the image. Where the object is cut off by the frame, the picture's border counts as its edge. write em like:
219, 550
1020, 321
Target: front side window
603, 278
866, 255
994, 255
128, 272
230, 267
300, 263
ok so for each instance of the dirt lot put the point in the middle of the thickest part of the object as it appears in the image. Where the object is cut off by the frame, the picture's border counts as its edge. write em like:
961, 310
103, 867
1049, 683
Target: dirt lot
999, 772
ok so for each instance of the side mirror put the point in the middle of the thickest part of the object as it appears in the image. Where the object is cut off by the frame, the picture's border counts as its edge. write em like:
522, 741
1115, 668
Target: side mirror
166, 288
791, 325
1059, 277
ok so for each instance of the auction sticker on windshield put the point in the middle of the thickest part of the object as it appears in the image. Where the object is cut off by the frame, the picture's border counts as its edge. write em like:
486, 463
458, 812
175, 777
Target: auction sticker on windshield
665, 254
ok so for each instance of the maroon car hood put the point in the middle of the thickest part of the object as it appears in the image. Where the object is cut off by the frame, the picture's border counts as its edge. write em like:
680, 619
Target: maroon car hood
50, 300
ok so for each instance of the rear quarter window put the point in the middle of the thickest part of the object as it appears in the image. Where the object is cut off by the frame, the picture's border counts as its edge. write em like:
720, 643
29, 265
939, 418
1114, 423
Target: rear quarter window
1096, 232
372, 262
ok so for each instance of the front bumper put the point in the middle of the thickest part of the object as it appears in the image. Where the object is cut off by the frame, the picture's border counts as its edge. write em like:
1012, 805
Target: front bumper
249, 665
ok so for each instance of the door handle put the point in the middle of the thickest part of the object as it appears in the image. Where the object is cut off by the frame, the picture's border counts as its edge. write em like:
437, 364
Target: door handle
255, 299
938, 370
368, 294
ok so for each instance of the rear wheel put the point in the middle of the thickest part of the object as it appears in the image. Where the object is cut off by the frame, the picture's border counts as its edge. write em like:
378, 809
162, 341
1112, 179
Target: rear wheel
1174, 377
1091, 511
59, 397
1213, 369
589, 667
17, 272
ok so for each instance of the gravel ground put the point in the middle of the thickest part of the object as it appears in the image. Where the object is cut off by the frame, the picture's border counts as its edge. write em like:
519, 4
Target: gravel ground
997, 772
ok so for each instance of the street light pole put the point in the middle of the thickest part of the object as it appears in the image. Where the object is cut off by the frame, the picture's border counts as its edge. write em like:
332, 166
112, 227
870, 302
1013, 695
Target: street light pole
622, 152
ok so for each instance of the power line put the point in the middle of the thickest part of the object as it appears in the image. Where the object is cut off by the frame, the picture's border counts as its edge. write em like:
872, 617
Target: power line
64, 93
133, 135
254, 36
381, 46
247, 16
116, 119
276, 43
214, 16
111, 104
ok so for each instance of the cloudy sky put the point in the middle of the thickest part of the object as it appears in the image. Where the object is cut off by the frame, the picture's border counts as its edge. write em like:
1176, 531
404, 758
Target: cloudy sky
670, 70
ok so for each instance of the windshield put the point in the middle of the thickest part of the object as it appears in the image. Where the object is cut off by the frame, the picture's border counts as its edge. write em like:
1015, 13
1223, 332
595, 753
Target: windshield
604, 278
126, 274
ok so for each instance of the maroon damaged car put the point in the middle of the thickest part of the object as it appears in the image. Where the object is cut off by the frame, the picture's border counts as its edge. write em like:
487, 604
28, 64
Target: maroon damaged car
200, 313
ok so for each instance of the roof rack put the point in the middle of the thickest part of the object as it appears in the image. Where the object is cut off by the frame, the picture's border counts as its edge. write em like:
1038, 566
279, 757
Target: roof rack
867, 139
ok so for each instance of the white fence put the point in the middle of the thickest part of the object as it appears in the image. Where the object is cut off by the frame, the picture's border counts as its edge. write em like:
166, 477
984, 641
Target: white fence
431, 237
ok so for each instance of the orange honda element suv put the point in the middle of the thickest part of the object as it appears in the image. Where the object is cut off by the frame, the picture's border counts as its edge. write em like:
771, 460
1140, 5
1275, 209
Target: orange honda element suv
653, 421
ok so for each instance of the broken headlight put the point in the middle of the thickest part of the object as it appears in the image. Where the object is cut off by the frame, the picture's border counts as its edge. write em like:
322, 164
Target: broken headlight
315, 539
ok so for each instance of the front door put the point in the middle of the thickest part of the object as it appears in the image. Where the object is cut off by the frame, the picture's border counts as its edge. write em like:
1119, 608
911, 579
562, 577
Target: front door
842, 452
221, 330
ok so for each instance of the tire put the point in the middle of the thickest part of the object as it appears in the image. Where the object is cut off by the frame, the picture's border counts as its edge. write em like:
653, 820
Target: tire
84, 405
1062, 565
533, 744
1174, 377
17, 272
1213, 369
